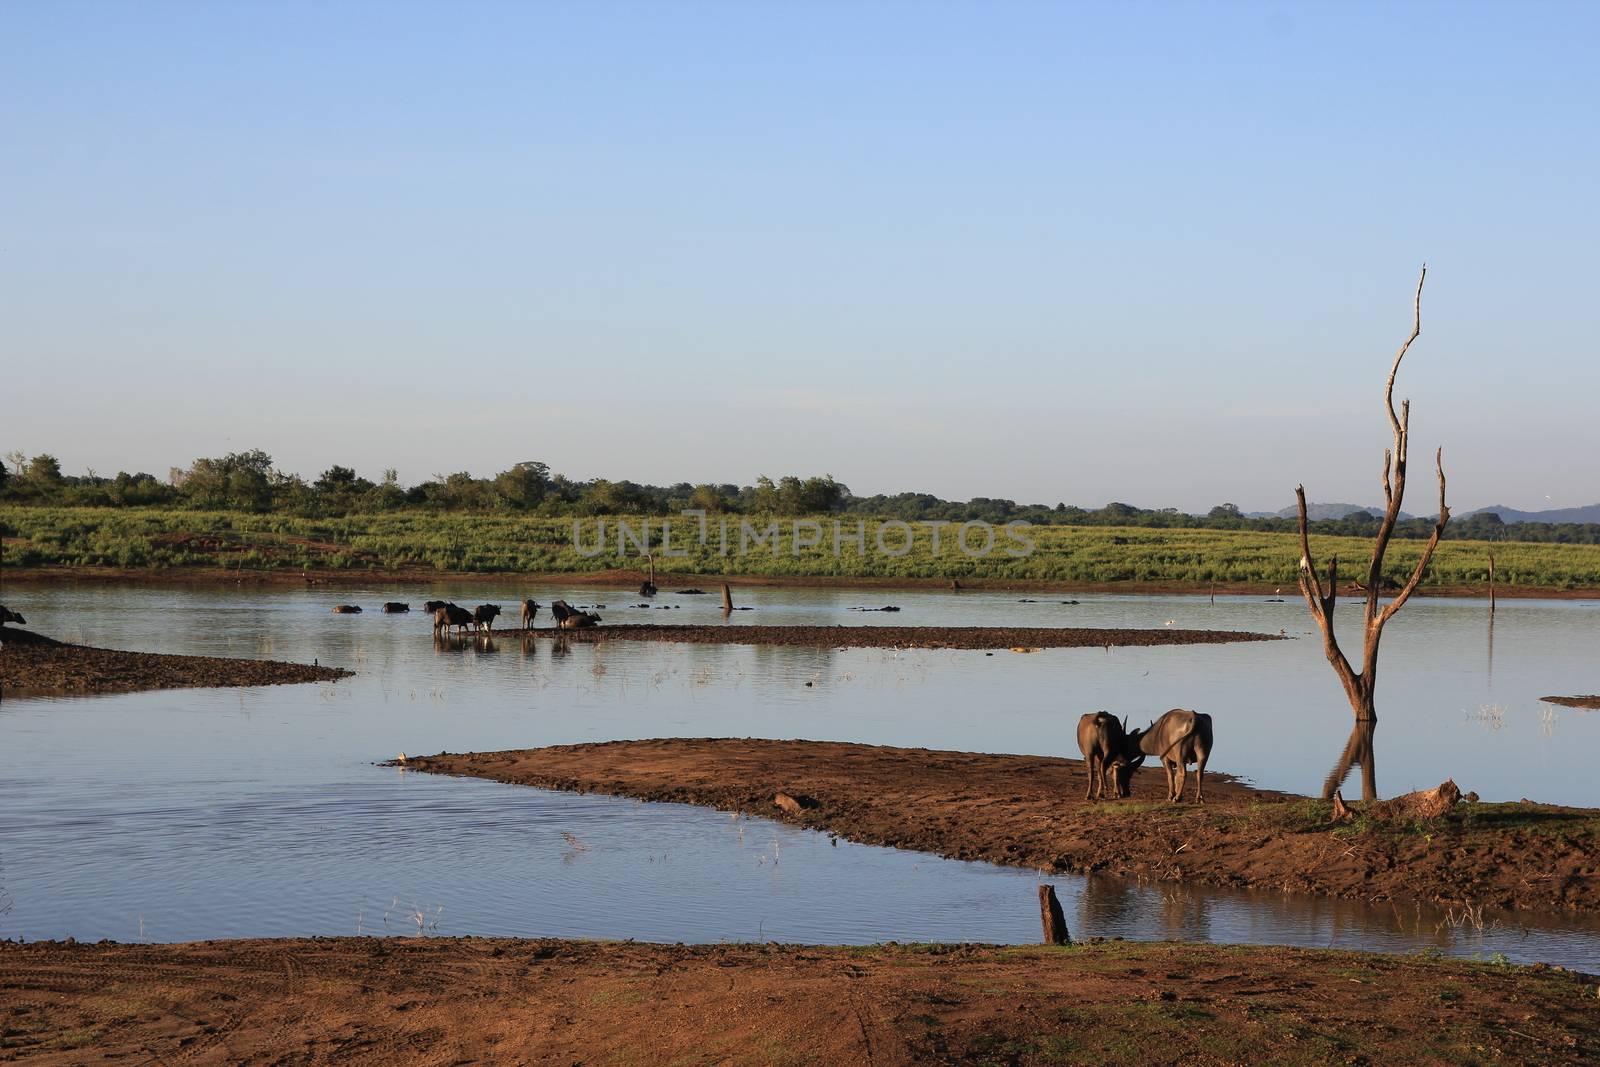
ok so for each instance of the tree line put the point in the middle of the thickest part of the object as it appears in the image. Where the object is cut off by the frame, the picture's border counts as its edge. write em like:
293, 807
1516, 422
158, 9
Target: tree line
248, 481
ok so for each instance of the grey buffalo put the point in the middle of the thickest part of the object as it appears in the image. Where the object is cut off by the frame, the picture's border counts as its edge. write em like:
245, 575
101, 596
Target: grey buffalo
1109, 750
1177, 739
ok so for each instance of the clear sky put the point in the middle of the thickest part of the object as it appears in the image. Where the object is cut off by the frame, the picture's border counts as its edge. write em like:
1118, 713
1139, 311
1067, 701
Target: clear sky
1158, 253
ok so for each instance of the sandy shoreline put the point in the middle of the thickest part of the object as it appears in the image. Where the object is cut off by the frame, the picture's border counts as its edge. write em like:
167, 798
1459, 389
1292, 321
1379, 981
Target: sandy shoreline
34, 665
483, 1000
1029, 811
1022, 638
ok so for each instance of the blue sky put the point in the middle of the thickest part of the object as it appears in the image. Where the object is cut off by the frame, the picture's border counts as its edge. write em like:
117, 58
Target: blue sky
1160, 253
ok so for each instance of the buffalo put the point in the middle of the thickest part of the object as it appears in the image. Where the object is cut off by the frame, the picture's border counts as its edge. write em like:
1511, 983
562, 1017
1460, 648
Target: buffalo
530, 608
1109, 750
484, 615
1178, 738
449, 616
431, 606
347, 609
7, 615
393, 608
570, 618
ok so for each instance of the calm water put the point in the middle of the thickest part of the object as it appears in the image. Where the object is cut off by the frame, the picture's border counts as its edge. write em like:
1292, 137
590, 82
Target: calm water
207, 813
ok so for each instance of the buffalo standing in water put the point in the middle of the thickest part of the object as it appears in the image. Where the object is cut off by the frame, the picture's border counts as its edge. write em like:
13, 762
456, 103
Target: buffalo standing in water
431, 606
484, 615
1178, 738
448, 616
394, 608
530, 608
1109, 750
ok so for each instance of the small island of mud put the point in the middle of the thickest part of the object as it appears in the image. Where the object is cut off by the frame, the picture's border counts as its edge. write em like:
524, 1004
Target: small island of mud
1588, 703
1030, 811
34, 665
960, 637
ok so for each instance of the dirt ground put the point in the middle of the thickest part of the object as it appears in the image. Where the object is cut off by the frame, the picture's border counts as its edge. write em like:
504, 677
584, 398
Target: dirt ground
446, 1001
669, 583
1589, 703
973, 637
34, 665
1030, 811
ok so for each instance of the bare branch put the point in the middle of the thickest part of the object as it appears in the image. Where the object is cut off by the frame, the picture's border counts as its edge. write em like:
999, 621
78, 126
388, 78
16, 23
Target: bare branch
1308, 567
1394, 489
1416, 331
1427, 551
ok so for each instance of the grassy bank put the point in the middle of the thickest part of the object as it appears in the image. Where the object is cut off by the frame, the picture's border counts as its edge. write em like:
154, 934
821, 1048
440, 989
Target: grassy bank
476, 543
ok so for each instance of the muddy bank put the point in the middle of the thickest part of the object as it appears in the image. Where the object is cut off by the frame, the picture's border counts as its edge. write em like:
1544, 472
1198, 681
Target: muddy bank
1029, 811
441, 1001
629, 580
1590, 703
34, 665
970, 637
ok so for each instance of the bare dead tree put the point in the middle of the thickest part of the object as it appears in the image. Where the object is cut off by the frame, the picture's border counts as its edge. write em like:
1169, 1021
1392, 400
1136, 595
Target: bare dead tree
1359, 686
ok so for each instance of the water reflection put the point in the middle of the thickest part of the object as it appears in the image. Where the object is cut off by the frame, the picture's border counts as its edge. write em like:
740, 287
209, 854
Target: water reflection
1358, 750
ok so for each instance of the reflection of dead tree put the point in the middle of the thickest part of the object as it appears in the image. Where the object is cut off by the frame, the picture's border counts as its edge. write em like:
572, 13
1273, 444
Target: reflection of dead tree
1359, 685
1358, 750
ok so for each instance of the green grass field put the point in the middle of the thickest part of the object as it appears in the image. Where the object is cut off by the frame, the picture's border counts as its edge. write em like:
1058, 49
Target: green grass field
461, 542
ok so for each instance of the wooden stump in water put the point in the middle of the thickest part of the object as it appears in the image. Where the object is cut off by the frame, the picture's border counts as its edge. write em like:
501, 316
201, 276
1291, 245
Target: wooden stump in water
1052, 917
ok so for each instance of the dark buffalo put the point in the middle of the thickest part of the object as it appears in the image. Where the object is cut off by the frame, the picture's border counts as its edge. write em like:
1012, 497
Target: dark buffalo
570, 618
448, 617
530, 608
484, 615
393, 608
7, 615
347, 609
1178, 738
432, 606
1109, 750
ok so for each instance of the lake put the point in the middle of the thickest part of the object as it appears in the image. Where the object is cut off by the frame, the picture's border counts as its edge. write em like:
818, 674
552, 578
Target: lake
188, 814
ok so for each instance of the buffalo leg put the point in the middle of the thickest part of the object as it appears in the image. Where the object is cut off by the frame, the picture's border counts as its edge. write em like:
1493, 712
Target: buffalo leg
1089, 768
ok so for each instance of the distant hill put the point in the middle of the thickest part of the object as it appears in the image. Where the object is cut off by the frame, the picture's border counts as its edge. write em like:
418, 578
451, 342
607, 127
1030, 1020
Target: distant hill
1591, 513
1319, 511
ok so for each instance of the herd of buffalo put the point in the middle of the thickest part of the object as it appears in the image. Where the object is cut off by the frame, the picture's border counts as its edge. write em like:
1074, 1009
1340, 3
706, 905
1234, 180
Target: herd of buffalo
447, 616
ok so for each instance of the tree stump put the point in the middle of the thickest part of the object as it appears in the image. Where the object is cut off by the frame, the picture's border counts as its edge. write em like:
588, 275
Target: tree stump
1421, 805
1052, 917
